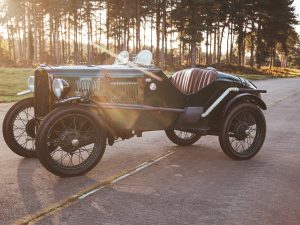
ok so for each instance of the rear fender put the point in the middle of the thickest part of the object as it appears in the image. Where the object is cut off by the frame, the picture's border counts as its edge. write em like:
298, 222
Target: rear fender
245, 97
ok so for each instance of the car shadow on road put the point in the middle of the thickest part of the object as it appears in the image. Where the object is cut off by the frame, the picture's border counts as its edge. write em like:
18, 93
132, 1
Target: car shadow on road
40, 189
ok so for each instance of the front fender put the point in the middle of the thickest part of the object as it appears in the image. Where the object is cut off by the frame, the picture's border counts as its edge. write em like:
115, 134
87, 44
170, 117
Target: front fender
245, 97
111, 131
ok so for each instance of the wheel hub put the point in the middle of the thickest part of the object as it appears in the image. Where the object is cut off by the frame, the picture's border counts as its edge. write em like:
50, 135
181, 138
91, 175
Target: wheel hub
242, 131
69, 140
30, 128
75, 142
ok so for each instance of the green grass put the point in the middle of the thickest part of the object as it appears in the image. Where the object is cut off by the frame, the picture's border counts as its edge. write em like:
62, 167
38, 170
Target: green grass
282, 72
266, 73
255, 76
12, 81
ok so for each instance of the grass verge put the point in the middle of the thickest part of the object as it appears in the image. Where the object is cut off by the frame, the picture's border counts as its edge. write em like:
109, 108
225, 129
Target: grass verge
12, 81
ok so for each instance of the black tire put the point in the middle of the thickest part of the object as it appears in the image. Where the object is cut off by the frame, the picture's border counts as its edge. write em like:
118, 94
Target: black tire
243, 132
59, 129
19, 128
182, 138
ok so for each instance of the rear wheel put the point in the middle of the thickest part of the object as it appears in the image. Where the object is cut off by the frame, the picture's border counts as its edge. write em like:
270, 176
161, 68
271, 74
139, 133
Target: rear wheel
19, 128
182, 138
77, 138
243, 132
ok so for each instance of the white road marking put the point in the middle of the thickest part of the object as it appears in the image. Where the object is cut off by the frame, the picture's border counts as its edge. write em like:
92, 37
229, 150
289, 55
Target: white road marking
34, 217
137, 169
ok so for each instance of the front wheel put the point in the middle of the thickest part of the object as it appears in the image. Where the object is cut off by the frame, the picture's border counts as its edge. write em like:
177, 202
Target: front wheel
71, 141
182, 138
243, 132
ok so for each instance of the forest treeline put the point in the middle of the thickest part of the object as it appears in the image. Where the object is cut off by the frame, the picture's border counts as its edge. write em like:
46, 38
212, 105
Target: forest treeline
178, 32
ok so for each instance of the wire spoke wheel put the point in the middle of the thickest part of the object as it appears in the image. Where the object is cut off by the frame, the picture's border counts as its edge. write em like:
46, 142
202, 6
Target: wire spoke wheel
24, 129
19, 128
243, 132
74, 139
184, 134
183, 138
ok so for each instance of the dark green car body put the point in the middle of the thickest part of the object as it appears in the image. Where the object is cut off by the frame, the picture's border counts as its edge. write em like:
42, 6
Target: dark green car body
123, 94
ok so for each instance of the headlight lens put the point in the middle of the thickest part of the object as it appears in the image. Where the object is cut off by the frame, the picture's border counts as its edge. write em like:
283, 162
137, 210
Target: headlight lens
30, 83
60, 87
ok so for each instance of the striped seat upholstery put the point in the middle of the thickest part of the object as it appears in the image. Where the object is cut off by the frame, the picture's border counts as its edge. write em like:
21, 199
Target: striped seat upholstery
189, 81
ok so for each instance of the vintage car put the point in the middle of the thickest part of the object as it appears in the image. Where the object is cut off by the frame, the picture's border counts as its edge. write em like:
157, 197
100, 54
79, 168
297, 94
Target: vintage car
77, 110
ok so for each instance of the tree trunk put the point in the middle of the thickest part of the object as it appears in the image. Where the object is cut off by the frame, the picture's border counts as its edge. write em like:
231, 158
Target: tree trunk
34, 13
75, 42
206, 51
125, 34
19, 39
138, 26
200, 55
252, 45
42, 38
210, 47
24, 53
57, 41
30, 53
258, 46
158, 18
180, 51
151, 31
220, 40
164, 34
194, 52
69, 39
244, 48
231, 45
107, 25
214, 47
240, 44
227, 46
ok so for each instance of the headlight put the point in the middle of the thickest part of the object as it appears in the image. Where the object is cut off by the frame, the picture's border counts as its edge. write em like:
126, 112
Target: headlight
60, 87
30, 83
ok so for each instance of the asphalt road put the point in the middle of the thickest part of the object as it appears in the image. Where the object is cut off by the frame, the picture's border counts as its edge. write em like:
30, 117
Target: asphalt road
166, 184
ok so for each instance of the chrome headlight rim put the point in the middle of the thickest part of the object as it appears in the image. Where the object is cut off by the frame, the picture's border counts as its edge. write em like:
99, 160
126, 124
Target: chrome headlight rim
30, 83
60, 87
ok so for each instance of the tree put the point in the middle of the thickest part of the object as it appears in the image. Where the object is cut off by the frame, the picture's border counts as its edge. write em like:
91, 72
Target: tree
64, 31
188, 18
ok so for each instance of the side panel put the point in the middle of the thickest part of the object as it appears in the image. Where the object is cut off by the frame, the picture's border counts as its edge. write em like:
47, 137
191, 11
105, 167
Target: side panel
165, 95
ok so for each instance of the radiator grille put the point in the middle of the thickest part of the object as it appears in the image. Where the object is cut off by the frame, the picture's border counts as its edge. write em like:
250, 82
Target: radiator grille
124, 91
87, 85
114, 91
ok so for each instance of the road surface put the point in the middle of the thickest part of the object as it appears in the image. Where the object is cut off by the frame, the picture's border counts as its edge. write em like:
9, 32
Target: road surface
149, 180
